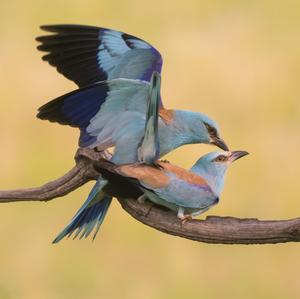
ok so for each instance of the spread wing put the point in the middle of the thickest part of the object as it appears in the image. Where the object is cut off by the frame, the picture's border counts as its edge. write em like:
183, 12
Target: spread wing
104, 111
86, 54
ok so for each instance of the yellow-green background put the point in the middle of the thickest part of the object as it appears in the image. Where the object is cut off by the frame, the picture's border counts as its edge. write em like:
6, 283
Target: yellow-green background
237, 61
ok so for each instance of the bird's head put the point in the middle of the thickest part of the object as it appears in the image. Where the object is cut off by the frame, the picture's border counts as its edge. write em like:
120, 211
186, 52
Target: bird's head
203, 129
213, 166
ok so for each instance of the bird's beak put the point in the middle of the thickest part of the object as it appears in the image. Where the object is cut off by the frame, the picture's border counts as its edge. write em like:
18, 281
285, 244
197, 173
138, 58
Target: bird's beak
235, 155
220, 143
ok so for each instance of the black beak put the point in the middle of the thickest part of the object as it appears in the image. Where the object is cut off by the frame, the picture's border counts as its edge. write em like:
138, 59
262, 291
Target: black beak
220, 143
235, 155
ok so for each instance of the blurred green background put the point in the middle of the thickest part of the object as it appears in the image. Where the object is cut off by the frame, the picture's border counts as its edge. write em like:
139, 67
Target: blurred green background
237, 61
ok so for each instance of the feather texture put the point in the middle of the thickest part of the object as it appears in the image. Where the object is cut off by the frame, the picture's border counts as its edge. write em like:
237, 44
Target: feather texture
90, 216
102, 54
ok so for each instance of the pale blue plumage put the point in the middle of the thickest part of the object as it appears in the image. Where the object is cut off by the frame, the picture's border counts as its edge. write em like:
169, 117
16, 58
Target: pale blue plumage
119, 60
149, 149
120, 122
87, 54
113, 113
187, 195
93, 211
213, 172
180, 193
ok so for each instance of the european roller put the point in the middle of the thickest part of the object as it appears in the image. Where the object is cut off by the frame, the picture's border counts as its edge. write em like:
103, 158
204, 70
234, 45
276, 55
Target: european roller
113, 112
188, 193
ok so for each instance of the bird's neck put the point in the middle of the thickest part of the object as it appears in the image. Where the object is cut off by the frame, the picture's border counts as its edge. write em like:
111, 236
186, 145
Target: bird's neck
172, 134
216, 183
215, 177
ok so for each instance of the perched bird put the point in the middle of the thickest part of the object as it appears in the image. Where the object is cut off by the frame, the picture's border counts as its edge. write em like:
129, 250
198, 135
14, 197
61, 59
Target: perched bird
188, 193
113, 112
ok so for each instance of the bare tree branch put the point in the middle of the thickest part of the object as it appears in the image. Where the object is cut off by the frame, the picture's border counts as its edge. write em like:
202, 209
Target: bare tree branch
221, 230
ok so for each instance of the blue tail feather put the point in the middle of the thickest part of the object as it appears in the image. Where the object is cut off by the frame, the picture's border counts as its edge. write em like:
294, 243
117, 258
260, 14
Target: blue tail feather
89, 216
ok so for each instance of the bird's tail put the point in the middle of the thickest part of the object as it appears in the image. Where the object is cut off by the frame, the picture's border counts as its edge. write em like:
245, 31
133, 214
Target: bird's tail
90, 215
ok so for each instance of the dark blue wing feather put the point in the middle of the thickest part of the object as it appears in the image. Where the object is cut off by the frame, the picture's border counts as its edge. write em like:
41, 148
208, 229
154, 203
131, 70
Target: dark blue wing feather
124, 110
75, 108
86, 54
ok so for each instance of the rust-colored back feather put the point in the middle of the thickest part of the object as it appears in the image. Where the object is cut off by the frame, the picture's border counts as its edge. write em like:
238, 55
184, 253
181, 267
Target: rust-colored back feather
158, 178
149, 175
183, 174
166, 115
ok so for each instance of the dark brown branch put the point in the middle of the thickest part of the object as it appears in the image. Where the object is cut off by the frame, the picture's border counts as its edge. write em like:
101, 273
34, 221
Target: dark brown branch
222, 230
76, 177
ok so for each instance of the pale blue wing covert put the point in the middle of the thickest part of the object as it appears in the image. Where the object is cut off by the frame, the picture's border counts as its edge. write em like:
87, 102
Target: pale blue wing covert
184, 194
88, 54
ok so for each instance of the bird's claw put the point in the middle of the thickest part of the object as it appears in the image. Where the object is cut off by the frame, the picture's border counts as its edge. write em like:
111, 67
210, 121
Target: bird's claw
165, 161
186, 218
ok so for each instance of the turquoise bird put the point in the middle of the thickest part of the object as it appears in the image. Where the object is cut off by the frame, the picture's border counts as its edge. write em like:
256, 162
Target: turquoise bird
113, 112
188, 193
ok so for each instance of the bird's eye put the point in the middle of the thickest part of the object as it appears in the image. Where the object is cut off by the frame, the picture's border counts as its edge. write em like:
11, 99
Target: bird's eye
211, 130
220, 158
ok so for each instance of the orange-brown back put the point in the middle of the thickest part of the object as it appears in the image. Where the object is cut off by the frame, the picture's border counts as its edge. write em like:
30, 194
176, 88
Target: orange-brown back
158, 178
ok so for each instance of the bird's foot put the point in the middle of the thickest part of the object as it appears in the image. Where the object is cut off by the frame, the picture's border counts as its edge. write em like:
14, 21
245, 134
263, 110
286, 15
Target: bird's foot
186, 218
182, 217
165, 161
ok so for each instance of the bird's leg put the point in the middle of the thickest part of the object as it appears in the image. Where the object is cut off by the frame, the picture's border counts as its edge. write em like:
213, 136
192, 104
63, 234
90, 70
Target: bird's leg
180, 213
182, 217
188, 217
142, 199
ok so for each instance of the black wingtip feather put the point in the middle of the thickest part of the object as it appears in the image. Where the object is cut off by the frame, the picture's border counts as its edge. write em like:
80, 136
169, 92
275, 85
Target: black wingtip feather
75, 108
61, 28
52, 111
68, 42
